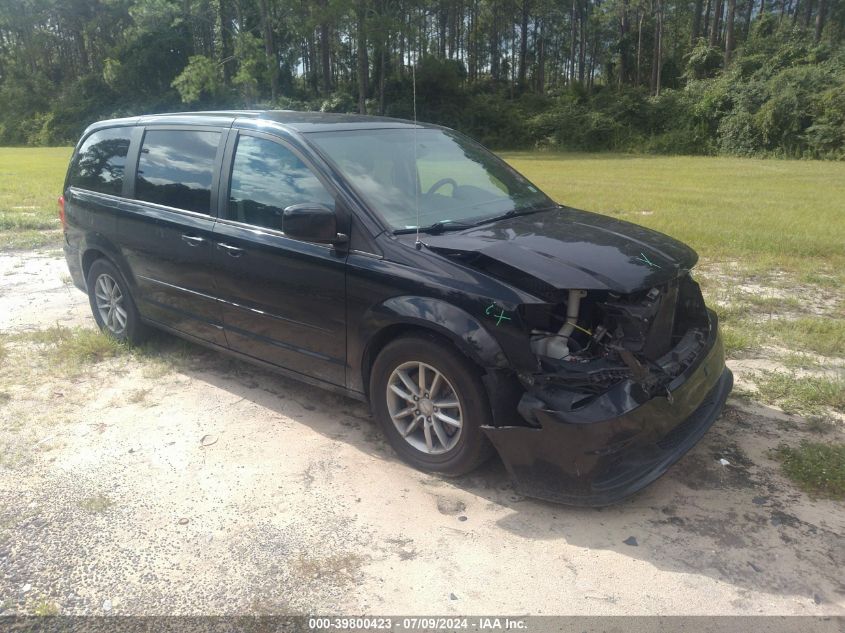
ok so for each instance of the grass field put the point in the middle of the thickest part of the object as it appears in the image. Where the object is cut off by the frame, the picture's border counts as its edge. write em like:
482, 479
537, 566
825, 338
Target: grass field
767, 214
30, 181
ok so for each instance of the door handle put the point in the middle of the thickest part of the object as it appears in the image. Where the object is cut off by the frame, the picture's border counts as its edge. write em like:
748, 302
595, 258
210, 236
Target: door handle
233, 251
192, 240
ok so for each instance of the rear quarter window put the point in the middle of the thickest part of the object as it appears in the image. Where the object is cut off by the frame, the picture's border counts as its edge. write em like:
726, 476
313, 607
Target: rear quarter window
176, 168
101, 161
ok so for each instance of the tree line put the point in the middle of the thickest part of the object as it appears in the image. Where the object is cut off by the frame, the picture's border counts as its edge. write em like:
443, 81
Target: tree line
691, 76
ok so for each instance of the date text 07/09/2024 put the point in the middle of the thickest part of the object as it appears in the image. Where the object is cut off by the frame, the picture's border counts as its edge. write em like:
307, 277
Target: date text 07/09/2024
479, 623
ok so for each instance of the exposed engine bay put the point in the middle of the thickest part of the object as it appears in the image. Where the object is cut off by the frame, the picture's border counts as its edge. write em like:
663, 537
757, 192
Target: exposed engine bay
594, 339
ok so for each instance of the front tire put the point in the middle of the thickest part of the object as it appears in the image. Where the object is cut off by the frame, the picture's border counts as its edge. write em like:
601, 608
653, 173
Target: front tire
431, 403
112, 305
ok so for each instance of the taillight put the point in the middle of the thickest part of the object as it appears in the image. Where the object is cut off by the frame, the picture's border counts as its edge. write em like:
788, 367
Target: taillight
61, 202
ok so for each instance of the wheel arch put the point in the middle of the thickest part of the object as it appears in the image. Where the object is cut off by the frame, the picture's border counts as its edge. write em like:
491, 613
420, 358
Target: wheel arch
89, 257
408, 315
96, 247
384, 337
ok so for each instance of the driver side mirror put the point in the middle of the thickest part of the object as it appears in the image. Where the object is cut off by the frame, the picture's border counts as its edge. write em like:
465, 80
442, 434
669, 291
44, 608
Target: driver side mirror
312, 222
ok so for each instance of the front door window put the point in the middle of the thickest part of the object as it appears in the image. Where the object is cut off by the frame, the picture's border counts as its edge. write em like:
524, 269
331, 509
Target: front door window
266, 179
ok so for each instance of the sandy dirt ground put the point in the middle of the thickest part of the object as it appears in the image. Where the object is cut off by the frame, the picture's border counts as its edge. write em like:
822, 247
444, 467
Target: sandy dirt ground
214, 487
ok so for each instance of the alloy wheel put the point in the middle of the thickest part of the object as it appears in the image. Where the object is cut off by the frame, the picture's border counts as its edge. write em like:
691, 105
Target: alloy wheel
110, 304
424, 407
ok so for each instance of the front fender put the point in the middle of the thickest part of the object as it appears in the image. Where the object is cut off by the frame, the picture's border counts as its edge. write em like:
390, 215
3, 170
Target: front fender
460, 327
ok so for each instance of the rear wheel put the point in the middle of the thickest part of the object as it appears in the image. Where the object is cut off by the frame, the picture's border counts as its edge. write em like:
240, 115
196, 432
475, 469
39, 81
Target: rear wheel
431, 403
112, 305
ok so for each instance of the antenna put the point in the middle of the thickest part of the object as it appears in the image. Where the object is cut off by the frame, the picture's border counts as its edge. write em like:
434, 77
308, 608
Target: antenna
417, 184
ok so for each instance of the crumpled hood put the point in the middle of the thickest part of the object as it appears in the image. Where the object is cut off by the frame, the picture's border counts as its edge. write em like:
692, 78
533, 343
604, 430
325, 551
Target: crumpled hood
567, 248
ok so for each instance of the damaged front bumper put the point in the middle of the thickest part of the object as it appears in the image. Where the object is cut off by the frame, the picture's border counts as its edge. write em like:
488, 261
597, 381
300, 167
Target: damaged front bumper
618, 442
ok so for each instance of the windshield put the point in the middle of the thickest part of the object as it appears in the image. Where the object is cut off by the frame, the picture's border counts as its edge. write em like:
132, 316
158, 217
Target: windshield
452, 179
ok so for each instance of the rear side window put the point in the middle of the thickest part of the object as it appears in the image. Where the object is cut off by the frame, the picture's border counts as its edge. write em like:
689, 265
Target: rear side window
268, 177
101, 161
176, 168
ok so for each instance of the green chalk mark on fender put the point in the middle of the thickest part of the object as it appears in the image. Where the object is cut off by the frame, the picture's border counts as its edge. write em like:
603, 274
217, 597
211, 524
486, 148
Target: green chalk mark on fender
491, 312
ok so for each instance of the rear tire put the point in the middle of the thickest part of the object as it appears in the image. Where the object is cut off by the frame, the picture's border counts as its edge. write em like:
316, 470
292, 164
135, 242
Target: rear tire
440, 430
112, 305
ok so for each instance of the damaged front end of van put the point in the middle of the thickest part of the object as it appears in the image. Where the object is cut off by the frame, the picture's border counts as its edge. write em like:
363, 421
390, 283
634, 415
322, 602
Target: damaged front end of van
627, 366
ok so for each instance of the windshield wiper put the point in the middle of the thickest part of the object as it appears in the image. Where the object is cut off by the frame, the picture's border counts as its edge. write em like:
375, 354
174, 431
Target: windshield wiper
438, 227
534, 208
456, 225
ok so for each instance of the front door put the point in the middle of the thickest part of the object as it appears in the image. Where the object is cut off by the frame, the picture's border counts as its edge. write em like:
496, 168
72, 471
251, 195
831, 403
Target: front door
283, 300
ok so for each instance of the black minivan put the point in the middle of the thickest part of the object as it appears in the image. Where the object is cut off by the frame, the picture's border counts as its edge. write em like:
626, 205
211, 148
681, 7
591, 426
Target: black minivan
405, 265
